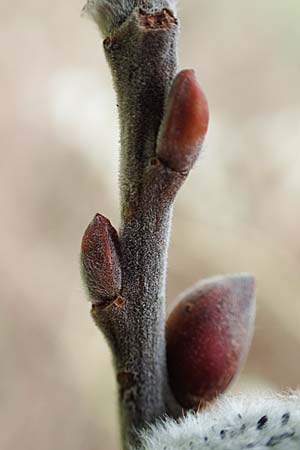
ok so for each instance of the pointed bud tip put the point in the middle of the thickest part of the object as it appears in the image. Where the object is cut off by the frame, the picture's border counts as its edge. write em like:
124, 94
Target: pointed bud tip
94, 231
244, 287
241, 287
243, 279
100, 219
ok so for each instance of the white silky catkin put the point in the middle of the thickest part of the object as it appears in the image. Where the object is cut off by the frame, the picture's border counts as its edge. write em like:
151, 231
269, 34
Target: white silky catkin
110, 14
232, 423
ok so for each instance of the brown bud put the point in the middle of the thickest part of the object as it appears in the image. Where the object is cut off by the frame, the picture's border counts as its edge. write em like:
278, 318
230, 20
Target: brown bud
100, 261
208, 337
184, 124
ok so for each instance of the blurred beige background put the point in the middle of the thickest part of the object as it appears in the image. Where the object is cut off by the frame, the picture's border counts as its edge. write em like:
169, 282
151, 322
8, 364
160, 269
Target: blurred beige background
238, 211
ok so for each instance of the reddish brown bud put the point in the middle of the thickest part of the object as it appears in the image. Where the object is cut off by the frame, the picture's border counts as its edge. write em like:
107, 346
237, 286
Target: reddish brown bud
184, 125
100, 261
208, 337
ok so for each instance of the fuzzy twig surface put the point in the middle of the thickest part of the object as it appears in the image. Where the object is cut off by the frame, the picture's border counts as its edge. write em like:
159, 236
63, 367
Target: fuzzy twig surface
125, 275
142, 55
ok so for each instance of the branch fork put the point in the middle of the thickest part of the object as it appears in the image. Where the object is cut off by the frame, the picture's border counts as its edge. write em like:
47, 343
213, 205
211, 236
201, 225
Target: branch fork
161, 366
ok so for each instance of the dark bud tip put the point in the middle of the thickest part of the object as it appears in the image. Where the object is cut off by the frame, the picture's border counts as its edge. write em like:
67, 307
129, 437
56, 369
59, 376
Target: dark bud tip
208, 337
185, 123
101, 261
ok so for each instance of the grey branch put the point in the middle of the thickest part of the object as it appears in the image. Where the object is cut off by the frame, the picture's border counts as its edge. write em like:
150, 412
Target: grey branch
163, 121
141, 51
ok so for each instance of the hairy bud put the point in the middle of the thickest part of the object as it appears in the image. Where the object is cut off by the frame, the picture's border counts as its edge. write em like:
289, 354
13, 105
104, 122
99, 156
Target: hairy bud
184, 125
100, 261
208, 337
257, 422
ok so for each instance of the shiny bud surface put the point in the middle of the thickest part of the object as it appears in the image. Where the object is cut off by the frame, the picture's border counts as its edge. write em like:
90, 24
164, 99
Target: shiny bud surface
185, 123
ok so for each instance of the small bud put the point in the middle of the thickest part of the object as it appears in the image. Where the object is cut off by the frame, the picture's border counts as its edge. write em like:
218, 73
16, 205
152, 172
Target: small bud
100, 261
184, 125
208, 337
